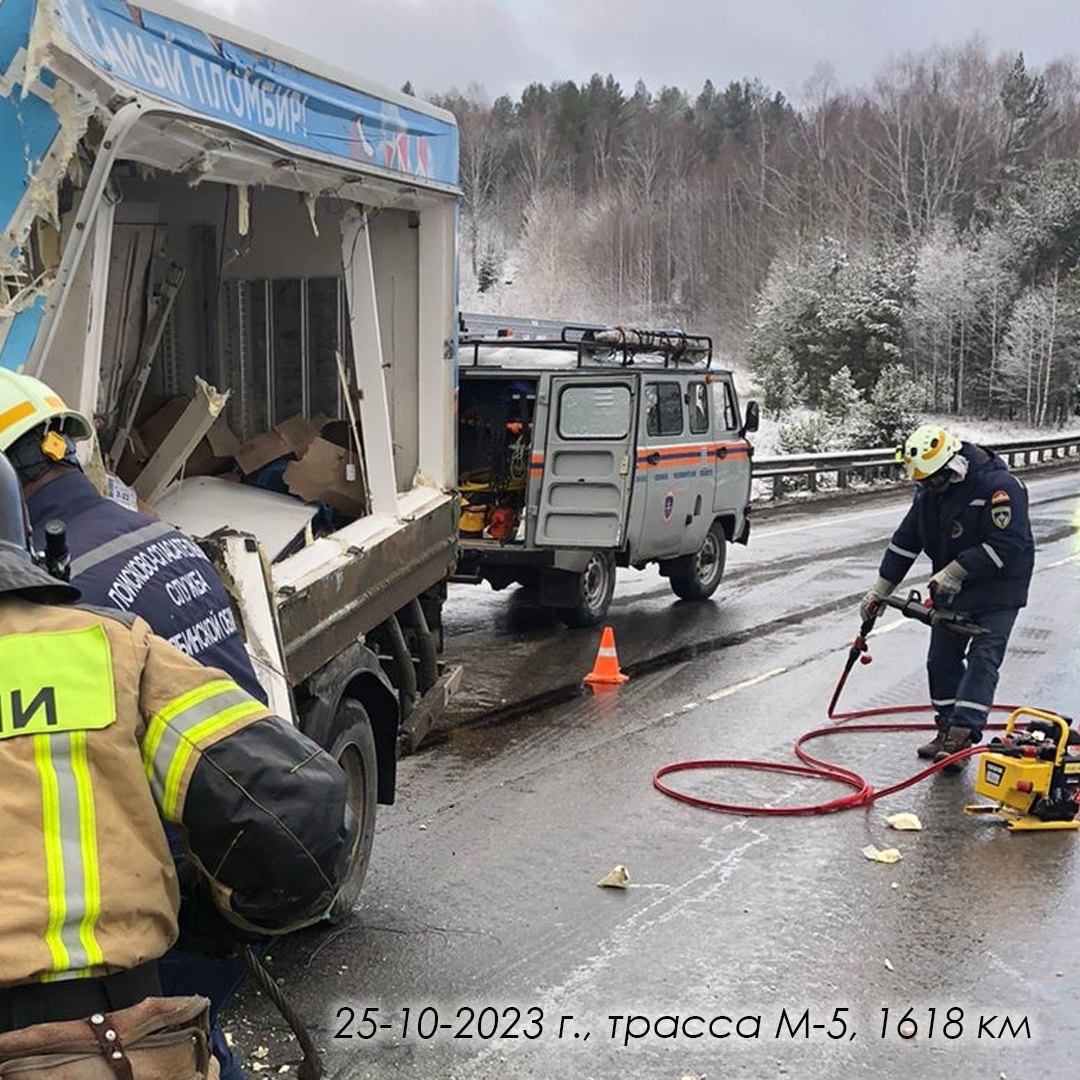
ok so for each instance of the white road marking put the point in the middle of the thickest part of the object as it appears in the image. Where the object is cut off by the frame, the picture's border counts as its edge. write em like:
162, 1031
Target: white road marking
1060, 562
890, 627
835, 522
716, 695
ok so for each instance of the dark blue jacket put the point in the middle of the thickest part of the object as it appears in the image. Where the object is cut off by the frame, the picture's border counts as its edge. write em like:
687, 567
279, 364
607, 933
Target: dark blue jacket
982, 523
126, 560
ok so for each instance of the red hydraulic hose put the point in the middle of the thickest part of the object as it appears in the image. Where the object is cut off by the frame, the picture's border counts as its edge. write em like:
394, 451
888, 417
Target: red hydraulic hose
862, 793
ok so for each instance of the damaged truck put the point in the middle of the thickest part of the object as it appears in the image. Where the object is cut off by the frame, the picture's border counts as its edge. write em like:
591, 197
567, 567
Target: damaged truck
241, 263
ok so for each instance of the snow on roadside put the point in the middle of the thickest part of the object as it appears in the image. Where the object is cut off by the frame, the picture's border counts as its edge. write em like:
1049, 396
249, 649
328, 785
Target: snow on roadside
970, 429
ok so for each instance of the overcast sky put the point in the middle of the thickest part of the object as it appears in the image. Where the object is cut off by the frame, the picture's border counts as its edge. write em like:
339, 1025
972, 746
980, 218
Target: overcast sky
506, 44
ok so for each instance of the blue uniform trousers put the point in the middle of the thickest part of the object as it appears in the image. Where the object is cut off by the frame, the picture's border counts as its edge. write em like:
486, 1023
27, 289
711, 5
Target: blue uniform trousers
964, 671
184, 973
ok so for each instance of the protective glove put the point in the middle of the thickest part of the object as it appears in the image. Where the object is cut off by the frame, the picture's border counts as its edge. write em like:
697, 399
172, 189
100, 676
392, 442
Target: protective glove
871, 602
947, 582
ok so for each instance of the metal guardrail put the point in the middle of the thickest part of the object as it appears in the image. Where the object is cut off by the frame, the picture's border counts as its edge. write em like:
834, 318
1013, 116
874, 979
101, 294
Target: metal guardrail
881, 464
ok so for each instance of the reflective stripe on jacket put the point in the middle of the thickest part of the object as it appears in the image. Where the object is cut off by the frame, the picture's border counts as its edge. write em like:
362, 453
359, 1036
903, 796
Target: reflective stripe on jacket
126, 560
104, 727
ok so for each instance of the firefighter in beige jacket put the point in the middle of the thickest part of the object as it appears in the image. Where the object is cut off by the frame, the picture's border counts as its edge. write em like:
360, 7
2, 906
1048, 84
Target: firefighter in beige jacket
105, 730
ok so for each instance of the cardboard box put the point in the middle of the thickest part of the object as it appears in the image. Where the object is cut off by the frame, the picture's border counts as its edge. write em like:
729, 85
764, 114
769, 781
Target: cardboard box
292, 436
321, 475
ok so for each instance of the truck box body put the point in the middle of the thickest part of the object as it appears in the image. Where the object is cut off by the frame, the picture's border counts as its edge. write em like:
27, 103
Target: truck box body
188, 207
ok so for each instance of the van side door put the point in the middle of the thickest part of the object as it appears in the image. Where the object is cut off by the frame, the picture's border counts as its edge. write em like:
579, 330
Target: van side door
588, 462
671, 450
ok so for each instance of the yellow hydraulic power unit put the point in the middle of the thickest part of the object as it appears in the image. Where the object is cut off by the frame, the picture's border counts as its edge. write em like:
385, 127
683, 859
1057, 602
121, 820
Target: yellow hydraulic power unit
1033, 775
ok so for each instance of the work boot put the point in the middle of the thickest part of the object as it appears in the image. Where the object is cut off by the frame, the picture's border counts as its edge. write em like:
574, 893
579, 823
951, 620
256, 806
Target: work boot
929, 751
956, 739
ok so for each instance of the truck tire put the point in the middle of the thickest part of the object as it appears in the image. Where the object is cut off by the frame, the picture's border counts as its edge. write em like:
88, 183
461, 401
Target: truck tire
695, 577
596, 585
354, 749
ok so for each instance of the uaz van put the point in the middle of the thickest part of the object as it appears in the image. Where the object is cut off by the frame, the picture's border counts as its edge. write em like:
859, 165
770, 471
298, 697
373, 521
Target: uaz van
599, 449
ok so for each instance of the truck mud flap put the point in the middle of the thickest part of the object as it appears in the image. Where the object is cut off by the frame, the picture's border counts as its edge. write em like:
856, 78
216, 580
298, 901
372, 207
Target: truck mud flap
429, 709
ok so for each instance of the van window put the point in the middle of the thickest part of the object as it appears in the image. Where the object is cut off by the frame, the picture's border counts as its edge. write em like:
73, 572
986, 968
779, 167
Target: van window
663, 409
594, 412
699, 408
724, 402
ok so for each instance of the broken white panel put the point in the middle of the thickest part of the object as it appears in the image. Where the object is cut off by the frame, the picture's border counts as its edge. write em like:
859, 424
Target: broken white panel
309, 202
243, 210
247, 578
368, 354
170, 457
203, 505
437, 434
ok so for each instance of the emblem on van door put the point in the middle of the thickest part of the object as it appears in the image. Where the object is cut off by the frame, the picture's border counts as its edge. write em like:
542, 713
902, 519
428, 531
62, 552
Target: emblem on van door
669, 505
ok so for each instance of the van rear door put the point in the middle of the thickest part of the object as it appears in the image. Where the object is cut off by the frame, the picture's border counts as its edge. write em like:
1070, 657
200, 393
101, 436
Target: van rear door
588, 468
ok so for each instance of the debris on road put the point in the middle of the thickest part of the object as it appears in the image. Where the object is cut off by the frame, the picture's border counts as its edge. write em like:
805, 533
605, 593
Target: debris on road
888, 965
615, 878
904, 822
882, 855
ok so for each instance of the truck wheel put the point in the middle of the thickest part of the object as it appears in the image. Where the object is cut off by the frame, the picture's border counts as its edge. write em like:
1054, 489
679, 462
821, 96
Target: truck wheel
354, 749
695, 577
596, 585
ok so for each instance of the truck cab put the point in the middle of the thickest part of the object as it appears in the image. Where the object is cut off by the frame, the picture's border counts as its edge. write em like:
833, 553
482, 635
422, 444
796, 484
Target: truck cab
598, 449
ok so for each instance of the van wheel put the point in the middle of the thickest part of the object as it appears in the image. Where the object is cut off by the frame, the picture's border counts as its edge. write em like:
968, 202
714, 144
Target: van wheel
695, 577
354, 750
596, 585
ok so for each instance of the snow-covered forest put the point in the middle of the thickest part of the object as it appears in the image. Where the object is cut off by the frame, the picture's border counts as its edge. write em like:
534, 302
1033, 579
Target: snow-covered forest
871, 254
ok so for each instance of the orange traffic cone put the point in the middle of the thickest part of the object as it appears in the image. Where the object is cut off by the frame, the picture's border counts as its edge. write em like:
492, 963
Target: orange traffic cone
606, 671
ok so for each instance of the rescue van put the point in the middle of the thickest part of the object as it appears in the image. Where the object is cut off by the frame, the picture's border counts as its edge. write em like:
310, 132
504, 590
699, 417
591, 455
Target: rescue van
241, 262
598, 449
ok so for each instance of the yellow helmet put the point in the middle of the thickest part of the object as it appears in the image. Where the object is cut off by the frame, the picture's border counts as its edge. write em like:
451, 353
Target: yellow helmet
927, 450
27, 403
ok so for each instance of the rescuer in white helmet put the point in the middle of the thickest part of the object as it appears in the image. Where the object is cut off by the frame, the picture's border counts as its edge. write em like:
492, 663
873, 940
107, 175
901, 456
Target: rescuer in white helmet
970, 516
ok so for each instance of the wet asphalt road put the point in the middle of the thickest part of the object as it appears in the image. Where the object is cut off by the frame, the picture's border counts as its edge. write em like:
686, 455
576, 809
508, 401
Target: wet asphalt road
482, 894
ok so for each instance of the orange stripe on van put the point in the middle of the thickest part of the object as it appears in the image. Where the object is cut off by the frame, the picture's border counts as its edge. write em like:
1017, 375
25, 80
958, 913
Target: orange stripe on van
673, 456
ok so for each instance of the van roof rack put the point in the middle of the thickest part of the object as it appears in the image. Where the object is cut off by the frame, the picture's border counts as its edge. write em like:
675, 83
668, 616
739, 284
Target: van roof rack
616, 344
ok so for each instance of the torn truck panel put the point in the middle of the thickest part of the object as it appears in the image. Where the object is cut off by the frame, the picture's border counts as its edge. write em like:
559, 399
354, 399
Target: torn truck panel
288, 99
17, 333
361, 588
41, 123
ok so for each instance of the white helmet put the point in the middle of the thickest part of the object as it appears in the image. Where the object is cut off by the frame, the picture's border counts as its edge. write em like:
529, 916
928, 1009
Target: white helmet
927, 450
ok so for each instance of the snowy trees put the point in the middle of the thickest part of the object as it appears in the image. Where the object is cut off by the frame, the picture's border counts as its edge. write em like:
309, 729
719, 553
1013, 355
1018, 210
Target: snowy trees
931, 221
831, 309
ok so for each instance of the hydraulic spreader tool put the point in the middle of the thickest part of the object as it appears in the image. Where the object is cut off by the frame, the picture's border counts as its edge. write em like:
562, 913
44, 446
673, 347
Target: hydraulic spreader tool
1031, 773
